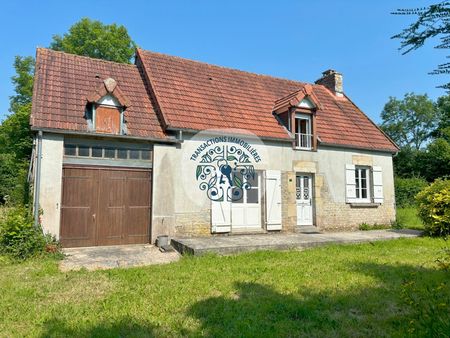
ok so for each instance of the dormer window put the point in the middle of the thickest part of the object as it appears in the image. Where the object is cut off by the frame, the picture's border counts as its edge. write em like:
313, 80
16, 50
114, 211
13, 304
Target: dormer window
302, 131
297, 111
108, 116
105, 109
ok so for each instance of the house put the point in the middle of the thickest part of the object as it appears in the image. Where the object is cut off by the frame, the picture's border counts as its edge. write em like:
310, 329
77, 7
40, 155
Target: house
169, 146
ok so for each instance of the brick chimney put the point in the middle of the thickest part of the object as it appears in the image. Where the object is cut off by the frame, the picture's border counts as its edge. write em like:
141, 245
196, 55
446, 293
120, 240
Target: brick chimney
333, 81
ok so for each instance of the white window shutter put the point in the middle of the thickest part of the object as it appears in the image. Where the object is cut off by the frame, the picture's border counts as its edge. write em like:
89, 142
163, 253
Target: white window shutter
377, 177
221, 216
273, 199
221, 211
350, 183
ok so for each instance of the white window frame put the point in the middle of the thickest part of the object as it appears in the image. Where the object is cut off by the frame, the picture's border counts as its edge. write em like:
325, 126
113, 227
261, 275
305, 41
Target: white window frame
358, 184
298, 136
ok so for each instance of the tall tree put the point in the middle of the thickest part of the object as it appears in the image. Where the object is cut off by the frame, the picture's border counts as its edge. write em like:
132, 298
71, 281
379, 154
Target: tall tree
96, 40
432, 21
443, 128
22, 81
410, 121
86, 37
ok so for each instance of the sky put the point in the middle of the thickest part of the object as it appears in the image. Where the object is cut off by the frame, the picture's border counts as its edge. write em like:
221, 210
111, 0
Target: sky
297, 40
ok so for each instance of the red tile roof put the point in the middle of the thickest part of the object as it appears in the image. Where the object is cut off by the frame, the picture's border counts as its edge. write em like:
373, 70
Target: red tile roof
166, 91
198, 96
64, 81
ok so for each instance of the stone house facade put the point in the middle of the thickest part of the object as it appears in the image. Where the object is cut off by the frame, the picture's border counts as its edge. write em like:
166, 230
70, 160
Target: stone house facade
169, 146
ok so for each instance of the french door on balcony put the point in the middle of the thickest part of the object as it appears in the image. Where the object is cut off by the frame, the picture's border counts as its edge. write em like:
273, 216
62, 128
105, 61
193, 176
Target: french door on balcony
303, 134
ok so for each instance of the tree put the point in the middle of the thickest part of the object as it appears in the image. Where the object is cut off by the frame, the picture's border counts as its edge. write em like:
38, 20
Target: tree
435, 160
411, 121
432, 21
86, 37
443, 128
22, 81
96, 40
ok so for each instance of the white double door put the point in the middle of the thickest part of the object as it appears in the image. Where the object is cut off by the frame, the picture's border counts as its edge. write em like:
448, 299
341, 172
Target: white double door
246, 211
304, 199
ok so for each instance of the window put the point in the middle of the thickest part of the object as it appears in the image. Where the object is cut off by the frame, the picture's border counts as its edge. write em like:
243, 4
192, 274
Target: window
362, 181
97, 152
107, 152
134, 154
83, 151
110, 153
303, 136
249, 193
122, 154
70, 150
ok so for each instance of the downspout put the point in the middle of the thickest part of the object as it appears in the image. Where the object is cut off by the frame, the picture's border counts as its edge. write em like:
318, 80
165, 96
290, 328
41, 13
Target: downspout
180, 135
37, 182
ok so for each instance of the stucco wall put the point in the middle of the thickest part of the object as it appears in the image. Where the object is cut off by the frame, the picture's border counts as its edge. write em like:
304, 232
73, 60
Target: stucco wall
51, 182
181, 208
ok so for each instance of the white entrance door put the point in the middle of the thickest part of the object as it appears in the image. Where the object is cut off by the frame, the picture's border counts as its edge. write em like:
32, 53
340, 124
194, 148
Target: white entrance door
304, 199
246, 211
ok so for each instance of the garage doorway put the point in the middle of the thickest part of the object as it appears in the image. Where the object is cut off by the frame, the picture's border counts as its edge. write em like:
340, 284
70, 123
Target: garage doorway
105, 206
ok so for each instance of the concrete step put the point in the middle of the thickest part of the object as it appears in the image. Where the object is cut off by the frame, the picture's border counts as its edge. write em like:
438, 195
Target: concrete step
307, 229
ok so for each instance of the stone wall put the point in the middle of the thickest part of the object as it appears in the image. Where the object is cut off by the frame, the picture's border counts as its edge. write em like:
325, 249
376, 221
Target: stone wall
193, 224
288, 202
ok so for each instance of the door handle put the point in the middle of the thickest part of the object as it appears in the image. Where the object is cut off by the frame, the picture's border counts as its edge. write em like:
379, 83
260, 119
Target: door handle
93, 218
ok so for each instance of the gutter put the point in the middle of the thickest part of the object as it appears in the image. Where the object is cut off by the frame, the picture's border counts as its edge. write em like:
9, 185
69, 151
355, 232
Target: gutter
335, 145
37, 183
221, 132
124, 137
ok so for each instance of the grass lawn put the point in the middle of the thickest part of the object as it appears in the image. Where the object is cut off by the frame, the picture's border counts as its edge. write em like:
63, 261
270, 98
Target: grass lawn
391, 288
409, 219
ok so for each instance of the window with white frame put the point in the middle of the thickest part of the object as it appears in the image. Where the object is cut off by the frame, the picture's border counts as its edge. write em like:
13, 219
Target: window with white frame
362, 183
302, 130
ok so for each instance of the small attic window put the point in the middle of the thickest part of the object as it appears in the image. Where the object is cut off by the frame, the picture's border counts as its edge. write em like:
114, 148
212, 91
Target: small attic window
108, 115
105, 108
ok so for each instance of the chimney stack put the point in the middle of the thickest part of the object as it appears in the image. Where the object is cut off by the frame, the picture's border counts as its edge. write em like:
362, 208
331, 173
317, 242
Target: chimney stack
333, 81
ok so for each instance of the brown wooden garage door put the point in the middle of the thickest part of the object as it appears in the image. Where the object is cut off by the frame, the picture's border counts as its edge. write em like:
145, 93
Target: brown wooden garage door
105, 206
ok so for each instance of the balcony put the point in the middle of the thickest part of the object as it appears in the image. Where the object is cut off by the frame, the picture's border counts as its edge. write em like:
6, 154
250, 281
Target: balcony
303, 141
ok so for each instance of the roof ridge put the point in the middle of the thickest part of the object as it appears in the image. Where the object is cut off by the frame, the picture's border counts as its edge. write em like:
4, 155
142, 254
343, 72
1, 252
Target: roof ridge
227, 68
85, 57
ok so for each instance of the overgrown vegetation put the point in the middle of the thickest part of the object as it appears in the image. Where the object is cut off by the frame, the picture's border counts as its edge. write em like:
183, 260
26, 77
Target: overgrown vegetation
382, 289
434, 207
20, 239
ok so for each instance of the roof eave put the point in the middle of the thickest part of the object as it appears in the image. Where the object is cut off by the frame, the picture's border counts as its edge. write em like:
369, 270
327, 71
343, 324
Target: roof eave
215, 132
349, 146
86, 133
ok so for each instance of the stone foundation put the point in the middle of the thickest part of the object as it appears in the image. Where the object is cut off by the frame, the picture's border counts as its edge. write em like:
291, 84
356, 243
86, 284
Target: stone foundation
193, 224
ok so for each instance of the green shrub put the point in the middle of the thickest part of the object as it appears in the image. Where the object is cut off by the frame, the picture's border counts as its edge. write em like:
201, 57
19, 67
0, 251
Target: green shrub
20, 239
434, 207
406, 190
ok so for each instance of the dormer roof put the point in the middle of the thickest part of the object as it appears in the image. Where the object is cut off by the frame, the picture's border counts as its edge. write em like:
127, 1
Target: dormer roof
296, 98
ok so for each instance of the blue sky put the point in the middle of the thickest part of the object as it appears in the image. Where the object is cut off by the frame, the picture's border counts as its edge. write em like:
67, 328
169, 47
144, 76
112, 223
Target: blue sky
290, 39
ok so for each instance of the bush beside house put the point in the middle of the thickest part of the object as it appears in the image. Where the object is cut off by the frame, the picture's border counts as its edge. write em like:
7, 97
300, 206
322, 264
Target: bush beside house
20, 239
434, 207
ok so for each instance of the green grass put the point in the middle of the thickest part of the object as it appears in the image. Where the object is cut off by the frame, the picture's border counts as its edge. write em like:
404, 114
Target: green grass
381, 289
408, 218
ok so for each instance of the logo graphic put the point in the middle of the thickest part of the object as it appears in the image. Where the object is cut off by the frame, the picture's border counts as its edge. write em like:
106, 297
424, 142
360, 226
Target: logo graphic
225, 167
